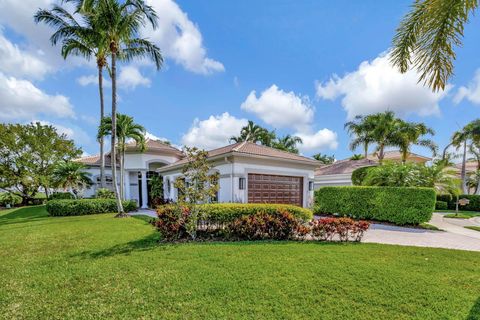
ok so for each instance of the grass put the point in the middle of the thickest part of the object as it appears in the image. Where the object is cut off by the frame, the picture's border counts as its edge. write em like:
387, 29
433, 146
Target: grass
428, 226
473, 228
458, 216
100, 267
467, 213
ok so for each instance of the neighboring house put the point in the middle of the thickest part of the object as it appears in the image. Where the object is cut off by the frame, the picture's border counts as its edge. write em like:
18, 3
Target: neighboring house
248, 173
252, 173
339, 173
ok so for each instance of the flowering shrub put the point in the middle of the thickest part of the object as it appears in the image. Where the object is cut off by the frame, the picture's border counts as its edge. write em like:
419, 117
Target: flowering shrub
344, 228
279, 226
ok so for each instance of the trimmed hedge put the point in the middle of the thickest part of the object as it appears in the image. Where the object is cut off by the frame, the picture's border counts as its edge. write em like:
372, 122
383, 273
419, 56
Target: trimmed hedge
86, 206
226, 212
399, 205
441, 205
62, 196
474, 204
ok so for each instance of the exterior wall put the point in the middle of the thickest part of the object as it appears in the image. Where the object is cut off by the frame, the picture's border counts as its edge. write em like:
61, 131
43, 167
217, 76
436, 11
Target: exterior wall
344, 179
141, 161
232, 169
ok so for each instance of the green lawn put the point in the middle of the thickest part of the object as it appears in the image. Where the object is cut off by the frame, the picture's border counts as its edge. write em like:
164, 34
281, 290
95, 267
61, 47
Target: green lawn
461, 214
101, 267
473, 228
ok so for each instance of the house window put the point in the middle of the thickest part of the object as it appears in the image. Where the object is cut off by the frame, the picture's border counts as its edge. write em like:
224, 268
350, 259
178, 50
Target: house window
241, 183
310, 186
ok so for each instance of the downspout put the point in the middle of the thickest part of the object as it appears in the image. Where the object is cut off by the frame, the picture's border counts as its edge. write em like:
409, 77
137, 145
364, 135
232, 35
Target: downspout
231, 178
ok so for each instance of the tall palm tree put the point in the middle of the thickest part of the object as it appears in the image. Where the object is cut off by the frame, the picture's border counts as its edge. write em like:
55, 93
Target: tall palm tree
323, 158
79, 38
360, 129
72, 176
287, 143
121, 22
126, 129
427, 36
411, 133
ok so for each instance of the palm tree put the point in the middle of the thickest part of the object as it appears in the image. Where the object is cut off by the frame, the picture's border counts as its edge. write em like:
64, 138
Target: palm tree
462, 138
287, 143
426, 37
361, 131
323, 158
121, 22
253, 133
410, 133
72, 176
79, 40
126, 129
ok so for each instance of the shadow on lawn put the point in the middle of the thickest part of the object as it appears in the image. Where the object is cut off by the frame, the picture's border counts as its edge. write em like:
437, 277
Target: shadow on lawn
148, 243
23, 214
474, 313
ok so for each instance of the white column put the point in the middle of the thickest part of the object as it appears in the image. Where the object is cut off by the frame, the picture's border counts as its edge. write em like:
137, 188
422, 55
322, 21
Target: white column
144, 190
126, 187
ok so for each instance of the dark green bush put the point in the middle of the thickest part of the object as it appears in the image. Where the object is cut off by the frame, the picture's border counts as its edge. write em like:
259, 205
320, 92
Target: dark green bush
86, 206
474, 204
62, 196
358, 175
8, 198
441, 205
227, 212
398, 205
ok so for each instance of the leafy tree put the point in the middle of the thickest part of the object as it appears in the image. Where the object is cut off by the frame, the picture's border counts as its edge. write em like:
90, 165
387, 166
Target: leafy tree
411, 133
80, 38
156, 189
197, 185
323, 158
126, 129
28, 155
357, 157
70, 175
287, 143
121, 22
427, 36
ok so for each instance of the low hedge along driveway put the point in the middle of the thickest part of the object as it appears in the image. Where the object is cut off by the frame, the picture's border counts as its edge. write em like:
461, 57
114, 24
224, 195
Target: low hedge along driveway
398, 205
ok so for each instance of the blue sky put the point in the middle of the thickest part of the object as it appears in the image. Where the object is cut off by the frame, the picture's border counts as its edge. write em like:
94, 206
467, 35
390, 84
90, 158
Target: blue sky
299, 67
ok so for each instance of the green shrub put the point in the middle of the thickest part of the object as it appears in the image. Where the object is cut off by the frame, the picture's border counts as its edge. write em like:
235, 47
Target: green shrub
227, 212
474, 204
398, 205
86, 206
8, 198
441, 205
358, 175
62, 196
104, 193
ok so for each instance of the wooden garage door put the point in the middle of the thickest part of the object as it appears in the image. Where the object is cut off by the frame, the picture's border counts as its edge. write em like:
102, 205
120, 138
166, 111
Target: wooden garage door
264, 188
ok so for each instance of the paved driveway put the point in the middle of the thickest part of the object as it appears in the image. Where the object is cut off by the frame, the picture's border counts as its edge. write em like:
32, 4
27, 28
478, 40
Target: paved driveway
455, 235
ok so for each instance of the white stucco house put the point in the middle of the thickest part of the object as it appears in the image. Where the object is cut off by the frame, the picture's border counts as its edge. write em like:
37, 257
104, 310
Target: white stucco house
248, 173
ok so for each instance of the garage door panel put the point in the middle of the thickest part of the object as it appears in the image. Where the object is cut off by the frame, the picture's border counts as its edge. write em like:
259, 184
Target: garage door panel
264, 188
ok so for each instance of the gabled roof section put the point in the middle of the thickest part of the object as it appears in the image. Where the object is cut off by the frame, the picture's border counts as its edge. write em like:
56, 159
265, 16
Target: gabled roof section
344, 166
95, 160
154, 146
250, 149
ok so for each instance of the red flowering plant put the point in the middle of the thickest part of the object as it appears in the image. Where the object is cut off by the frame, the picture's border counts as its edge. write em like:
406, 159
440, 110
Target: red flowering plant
172, 222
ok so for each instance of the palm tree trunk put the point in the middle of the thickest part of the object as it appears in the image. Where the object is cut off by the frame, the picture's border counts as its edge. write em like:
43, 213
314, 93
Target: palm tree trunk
463, 174
365, 150
122, 173
381, 153
121, 213
102, 115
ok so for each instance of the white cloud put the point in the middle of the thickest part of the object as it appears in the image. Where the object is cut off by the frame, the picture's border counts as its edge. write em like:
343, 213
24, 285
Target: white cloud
20, 99
470, 92
17, 62
180, 39
320, 140
130, 77
280, 109
213, 132
377, 86
90, 80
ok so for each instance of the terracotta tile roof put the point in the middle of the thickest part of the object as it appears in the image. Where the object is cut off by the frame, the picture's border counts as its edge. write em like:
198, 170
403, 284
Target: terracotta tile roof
155, 145
470, 166
250, 149
396, 155
94, 160
344, 166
